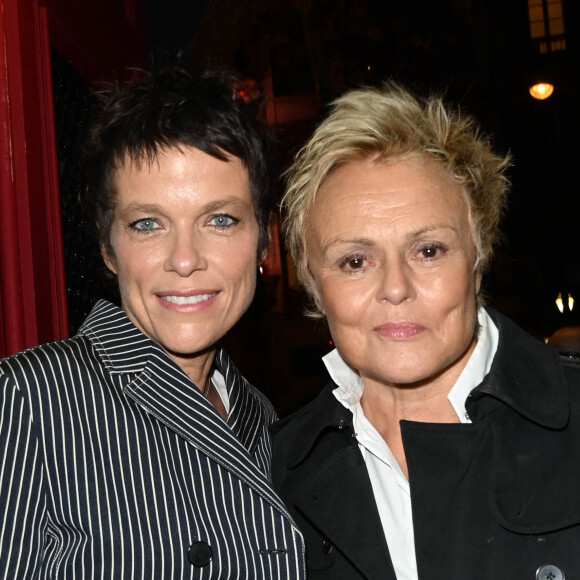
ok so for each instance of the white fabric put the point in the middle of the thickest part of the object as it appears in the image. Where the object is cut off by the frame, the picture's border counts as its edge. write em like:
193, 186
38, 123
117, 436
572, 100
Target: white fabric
390, 486
219, 382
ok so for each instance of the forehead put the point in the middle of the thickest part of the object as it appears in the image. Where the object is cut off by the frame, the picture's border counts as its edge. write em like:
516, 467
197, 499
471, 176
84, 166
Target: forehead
401, 194
388, 203
185, 170
163, 157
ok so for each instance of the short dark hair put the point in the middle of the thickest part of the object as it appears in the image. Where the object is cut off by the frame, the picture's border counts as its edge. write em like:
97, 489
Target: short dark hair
175, 107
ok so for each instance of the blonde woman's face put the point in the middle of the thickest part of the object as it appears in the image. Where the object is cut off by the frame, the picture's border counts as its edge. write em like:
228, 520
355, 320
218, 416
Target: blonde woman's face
391, 253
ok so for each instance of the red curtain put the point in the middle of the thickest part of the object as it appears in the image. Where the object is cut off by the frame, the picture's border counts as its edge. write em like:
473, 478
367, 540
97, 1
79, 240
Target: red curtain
100, 39
32, 288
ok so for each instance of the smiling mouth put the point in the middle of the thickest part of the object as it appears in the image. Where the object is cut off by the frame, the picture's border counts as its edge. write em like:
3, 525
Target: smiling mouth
188, 299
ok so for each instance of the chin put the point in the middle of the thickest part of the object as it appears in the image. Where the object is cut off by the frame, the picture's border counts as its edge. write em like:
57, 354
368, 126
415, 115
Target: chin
191, 351
404, 375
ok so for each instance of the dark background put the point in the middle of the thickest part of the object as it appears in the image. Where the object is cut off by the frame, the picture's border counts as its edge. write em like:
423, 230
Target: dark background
300, 54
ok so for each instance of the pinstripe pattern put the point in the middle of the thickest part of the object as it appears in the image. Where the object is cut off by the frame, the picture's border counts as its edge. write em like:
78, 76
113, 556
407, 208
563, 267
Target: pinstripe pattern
112, 463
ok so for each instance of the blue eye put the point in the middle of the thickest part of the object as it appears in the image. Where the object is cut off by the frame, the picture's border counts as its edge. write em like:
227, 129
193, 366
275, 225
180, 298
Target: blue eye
223, 220
144, 225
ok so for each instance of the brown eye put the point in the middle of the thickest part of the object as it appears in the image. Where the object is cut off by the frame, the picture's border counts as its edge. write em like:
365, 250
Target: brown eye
352, 262
429, 252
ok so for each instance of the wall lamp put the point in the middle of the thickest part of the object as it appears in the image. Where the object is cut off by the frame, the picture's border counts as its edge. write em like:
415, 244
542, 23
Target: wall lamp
541, 91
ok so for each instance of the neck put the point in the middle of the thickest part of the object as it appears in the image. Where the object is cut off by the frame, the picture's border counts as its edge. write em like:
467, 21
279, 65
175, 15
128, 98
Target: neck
197, 367
385, 404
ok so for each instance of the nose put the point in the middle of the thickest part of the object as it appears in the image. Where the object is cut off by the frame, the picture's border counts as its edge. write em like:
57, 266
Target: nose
185, 253
396, 283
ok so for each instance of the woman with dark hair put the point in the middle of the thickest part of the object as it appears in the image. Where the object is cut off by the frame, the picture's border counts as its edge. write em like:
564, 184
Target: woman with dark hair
136, 449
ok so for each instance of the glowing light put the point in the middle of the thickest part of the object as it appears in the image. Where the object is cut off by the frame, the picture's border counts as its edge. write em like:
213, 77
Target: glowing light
541, 91
570, 302
261, 270
559, 303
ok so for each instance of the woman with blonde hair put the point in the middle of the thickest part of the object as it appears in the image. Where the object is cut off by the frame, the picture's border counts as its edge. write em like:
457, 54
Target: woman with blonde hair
447, 444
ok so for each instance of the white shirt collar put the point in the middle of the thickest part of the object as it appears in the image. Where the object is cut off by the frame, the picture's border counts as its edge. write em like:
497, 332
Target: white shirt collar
350, 386
477, 366
219, 382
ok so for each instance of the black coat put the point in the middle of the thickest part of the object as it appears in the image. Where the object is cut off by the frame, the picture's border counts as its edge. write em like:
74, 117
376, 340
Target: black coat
497, 499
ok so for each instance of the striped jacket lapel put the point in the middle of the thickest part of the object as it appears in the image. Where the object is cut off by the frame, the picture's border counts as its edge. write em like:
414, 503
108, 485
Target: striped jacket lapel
246, 417
164, 391
123, 348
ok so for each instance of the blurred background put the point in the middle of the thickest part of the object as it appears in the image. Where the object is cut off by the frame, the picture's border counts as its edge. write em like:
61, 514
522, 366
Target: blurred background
296, 55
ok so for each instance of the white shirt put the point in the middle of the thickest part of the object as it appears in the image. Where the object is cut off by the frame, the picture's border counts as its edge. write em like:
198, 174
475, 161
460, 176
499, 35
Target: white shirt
219, 382
390, 486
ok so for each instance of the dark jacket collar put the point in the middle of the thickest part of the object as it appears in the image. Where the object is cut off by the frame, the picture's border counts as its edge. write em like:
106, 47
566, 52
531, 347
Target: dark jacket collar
322, 414
525, 375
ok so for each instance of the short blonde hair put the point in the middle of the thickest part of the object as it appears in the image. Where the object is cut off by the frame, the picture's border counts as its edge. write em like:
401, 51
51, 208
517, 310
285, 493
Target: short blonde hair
388, 124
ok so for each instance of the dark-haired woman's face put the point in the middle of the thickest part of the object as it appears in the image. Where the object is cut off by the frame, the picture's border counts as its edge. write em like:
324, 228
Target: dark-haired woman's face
184, 239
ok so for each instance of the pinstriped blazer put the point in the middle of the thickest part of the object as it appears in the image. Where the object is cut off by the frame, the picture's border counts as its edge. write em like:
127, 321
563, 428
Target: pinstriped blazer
113, 465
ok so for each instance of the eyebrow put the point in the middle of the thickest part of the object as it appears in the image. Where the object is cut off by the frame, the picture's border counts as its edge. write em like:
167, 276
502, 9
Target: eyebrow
366, 242
337, 241
221, 203
143, 207
428, 229
207, 208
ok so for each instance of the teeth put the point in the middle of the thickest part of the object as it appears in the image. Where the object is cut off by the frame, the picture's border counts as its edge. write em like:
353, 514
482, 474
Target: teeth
188, 299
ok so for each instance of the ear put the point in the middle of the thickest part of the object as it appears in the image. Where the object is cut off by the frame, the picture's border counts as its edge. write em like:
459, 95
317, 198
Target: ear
264, 252
109, 259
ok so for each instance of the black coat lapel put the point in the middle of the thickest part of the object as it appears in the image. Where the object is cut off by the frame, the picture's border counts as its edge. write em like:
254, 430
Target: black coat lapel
322, 476
338, 500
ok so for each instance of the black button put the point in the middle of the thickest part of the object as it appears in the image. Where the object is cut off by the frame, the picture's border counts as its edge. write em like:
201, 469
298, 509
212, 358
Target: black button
327, 547
200, 554
550, 572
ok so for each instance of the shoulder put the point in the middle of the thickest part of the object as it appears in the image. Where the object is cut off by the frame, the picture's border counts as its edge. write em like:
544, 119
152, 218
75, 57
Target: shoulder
311, 434
310, 414
50, 359
263, 401
571, 370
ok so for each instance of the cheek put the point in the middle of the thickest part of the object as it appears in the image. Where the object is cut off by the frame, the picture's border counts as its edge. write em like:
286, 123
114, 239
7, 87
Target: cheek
343, 302
136, 266
240, 268
455, 288
457, 309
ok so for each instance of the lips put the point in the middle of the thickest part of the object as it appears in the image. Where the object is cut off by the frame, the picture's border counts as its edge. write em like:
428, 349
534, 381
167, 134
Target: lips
399, 330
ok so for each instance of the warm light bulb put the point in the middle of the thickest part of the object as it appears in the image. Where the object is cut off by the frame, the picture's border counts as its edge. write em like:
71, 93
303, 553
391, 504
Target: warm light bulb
559, 303
541, 91
570, 302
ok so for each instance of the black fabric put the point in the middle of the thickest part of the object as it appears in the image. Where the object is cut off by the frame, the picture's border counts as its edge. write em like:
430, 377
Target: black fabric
494, 499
